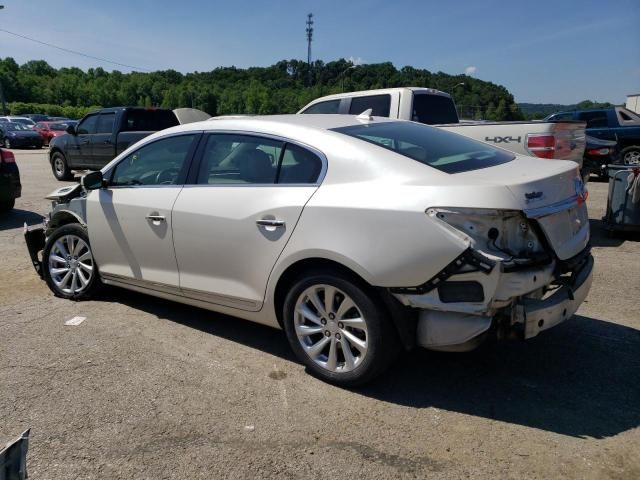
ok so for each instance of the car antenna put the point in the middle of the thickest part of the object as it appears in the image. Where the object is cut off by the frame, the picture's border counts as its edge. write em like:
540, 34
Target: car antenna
366, 115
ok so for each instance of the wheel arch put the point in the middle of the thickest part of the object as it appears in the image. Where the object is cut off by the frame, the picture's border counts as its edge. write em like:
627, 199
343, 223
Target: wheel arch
63, 217
403, 319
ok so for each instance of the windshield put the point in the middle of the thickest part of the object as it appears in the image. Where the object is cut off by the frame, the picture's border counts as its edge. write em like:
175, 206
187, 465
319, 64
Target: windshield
24, 121
445, 151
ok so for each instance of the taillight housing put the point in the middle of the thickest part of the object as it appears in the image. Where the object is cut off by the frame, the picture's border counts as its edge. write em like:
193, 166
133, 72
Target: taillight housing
599, 151
7, 157
541, 145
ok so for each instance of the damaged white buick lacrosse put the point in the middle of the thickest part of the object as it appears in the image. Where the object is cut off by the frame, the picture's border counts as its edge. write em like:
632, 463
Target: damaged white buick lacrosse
359, 236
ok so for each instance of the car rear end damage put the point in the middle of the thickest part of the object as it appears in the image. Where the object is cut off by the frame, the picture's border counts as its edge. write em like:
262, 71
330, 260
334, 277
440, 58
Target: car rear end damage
523, 272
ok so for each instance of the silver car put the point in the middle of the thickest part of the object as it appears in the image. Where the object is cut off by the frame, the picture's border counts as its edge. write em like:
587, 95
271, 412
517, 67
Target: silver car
358, 236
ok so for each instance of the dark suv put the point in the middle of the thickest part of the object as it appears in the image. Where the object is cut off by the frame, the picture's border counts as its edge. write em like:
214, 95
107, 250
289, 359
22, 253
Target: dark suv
10, 187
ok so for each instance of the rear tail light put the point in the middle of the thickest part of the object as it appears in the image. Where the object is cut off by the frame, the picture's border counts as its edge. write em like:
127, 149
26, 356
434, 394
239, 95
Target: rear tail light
598, 151
7, 157
543, 146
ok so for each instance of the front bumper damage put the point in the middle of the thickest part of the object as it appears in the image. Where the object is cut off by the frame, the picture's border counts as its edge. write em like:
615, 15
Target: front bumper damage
512, 302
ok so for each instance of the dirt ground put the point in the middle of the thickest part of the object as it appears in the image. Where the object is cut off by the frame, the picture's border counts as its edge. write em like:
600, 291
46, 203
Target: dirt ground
145, 388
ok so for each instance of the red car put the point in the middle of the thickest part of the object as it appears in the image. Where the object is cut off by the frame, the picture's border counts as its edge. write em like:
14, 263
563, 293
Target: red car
48, 130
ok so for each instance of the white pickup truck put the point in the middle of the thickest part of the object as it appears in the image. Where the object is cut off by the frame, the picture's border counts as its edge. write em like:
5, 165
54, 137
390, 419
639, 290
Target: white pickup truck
563, 140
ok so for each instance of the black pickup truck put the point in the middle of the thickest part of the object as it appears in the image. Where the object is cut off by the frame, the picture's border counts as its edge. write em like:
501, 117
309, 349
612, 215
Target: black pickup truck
101, 135
615, 123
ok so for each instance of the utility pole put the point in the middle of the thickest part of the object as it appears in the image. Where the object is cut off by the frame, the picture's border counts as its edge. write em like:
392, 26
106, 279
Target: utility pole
309, 38
4, 105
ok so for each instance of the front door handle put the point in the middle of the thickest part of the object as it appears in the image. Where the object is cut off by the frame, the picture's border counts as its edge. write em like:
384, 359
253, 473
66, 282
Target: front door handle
156, 218
270, 223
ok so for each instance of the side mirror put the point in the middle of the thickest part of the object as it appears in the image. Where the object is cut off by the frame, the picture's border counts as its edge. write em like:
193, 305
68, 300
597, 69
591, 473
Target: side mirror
92, 180
71, 129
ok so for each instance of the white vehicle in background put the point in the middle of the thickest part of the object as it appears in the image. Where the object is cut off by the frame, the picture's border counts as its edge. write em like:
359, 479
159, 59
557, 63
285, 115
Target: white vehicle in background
562, 140
356, 235
23, 120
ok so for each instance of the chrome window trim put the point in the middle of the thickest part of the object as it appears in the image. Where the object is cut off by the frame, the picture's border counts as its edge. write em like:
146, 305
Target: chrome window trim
268, 136
553, 208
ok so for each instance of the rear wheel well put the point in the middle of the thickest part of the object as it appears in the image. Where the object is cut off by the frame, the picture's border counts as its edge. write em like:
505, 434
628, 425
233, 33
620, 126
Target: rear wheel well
403, 320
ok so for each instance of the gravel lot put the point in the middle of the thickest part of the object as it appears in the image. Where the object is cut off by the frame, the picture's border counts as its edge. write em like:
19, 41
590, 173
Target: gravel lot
145, 388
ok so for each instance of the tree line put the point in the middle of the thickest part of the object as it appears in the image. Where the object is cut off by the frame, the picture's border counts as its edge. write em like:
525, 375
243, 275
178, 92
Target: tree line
37, 87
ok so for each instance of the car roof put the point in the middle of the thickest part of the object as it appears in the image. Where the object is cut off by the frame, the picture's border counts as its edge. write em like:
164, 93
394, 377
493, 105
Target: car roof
379, 91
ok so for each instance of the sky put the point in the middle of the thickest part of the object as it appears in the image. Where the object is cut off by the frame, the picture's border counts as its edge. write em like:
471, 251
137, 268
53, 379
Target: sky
560, 51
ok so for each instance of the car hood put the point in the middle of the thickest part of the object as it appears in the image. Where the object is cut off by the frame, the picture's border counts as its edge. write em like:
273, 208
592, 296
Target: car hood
25, 134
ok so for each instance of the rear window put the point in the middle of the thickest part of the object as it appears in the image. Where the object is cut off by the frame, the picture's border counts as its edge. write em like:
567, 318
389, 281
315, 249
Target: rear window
379, 105
331, 106
433, 109
149, 120
442, 150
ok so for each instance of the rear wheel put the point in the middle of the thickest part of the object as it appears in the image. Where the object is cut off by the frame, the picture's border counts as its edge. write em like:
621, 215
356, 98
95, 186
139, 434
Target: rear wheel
60, 168
68, 265
631, 156
7, 205
338, 328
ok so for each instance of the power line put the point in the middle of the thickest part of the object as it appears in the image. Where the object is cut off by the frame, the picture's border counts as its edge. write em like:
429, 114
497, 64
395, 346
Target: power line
73, 51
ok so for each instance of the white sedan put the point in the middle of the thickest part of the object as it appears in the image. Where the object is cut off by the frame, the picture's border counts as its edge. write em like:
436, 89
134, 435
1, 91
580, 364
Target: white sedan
359, 236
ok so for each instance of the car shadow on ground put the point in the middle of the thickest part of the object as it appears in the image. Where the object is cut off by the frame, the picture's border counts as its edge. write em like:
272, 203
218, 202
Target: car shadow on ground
580, 379
602, 237
16, 218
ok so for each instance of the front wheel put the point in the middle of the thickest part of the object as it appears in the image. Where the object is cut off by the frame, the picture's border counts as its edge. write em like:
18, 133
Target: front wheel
7, 143
338, 328
60, 168
68, 264
631, 156
7, 205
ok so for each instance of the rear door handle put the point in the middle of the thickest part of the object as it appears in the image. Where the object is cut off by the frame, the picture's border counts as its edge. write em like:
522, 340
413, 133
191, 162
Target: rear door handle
270, 223
156, 218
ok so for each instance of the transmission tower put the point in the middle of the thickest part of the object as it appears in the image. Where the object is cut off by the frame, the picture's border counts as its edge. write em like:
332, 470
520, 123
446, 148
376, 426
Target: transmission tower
309, 38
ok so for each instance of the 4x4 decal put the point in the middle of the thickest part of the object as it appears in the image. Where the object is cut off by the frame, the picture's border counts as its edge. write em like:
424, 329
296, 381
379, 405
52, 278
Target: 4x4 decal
508, 139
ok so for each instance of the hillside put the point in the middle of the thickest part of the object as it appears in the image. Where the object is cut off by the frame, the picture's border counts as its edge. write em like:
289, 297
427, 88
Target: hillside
279, 88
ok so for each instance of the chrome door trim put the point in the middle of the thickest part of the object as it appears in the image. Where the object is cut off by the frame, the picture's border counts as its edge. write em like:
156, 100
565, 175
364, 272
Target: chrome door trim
188, 293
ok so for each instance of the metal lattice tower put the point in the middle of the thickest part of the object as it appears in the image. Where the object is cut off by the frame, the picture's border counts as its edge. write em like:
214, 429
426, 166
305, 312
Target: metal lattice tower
309, 31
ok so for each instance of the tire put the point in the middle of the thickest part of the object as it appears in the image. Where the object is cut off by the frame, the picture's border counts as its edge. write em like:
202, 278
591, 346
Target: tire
60, 245
372, 343
7, 143
60, 168
630, 156
7, 205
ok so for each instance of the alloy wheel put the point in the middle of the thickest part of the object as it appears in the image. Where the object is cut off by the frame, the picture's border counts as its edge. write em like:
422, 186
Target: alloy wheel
331, 328
7, 143
71, 264
58, 164
632, 158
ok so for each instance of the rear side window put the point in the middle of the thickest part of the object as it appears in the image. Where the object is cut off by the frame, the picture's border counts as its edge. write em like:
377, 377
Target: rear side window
445, 151
594, 119
139, 120
239, 159
433, 109
105, 123
380, 105
331, 106
299, 165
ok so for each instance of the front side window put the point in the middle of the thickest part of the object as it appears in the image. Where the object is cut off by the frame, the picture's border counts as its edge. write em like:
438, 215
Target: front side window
331, 106
239, 159
157, 163
379, 104
440, 149
88, 125
105, 123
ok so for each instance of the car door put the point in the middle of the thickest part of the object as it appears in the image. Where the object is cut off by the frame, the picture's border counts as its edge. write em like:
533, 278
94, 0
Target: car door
102, 146
78, 150
129, 221
233, 222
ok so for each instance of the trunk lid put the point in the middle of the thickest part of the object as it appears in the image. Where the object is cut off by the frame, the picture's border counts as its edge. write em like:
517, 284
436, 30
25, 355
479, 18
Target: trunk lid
550, 193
